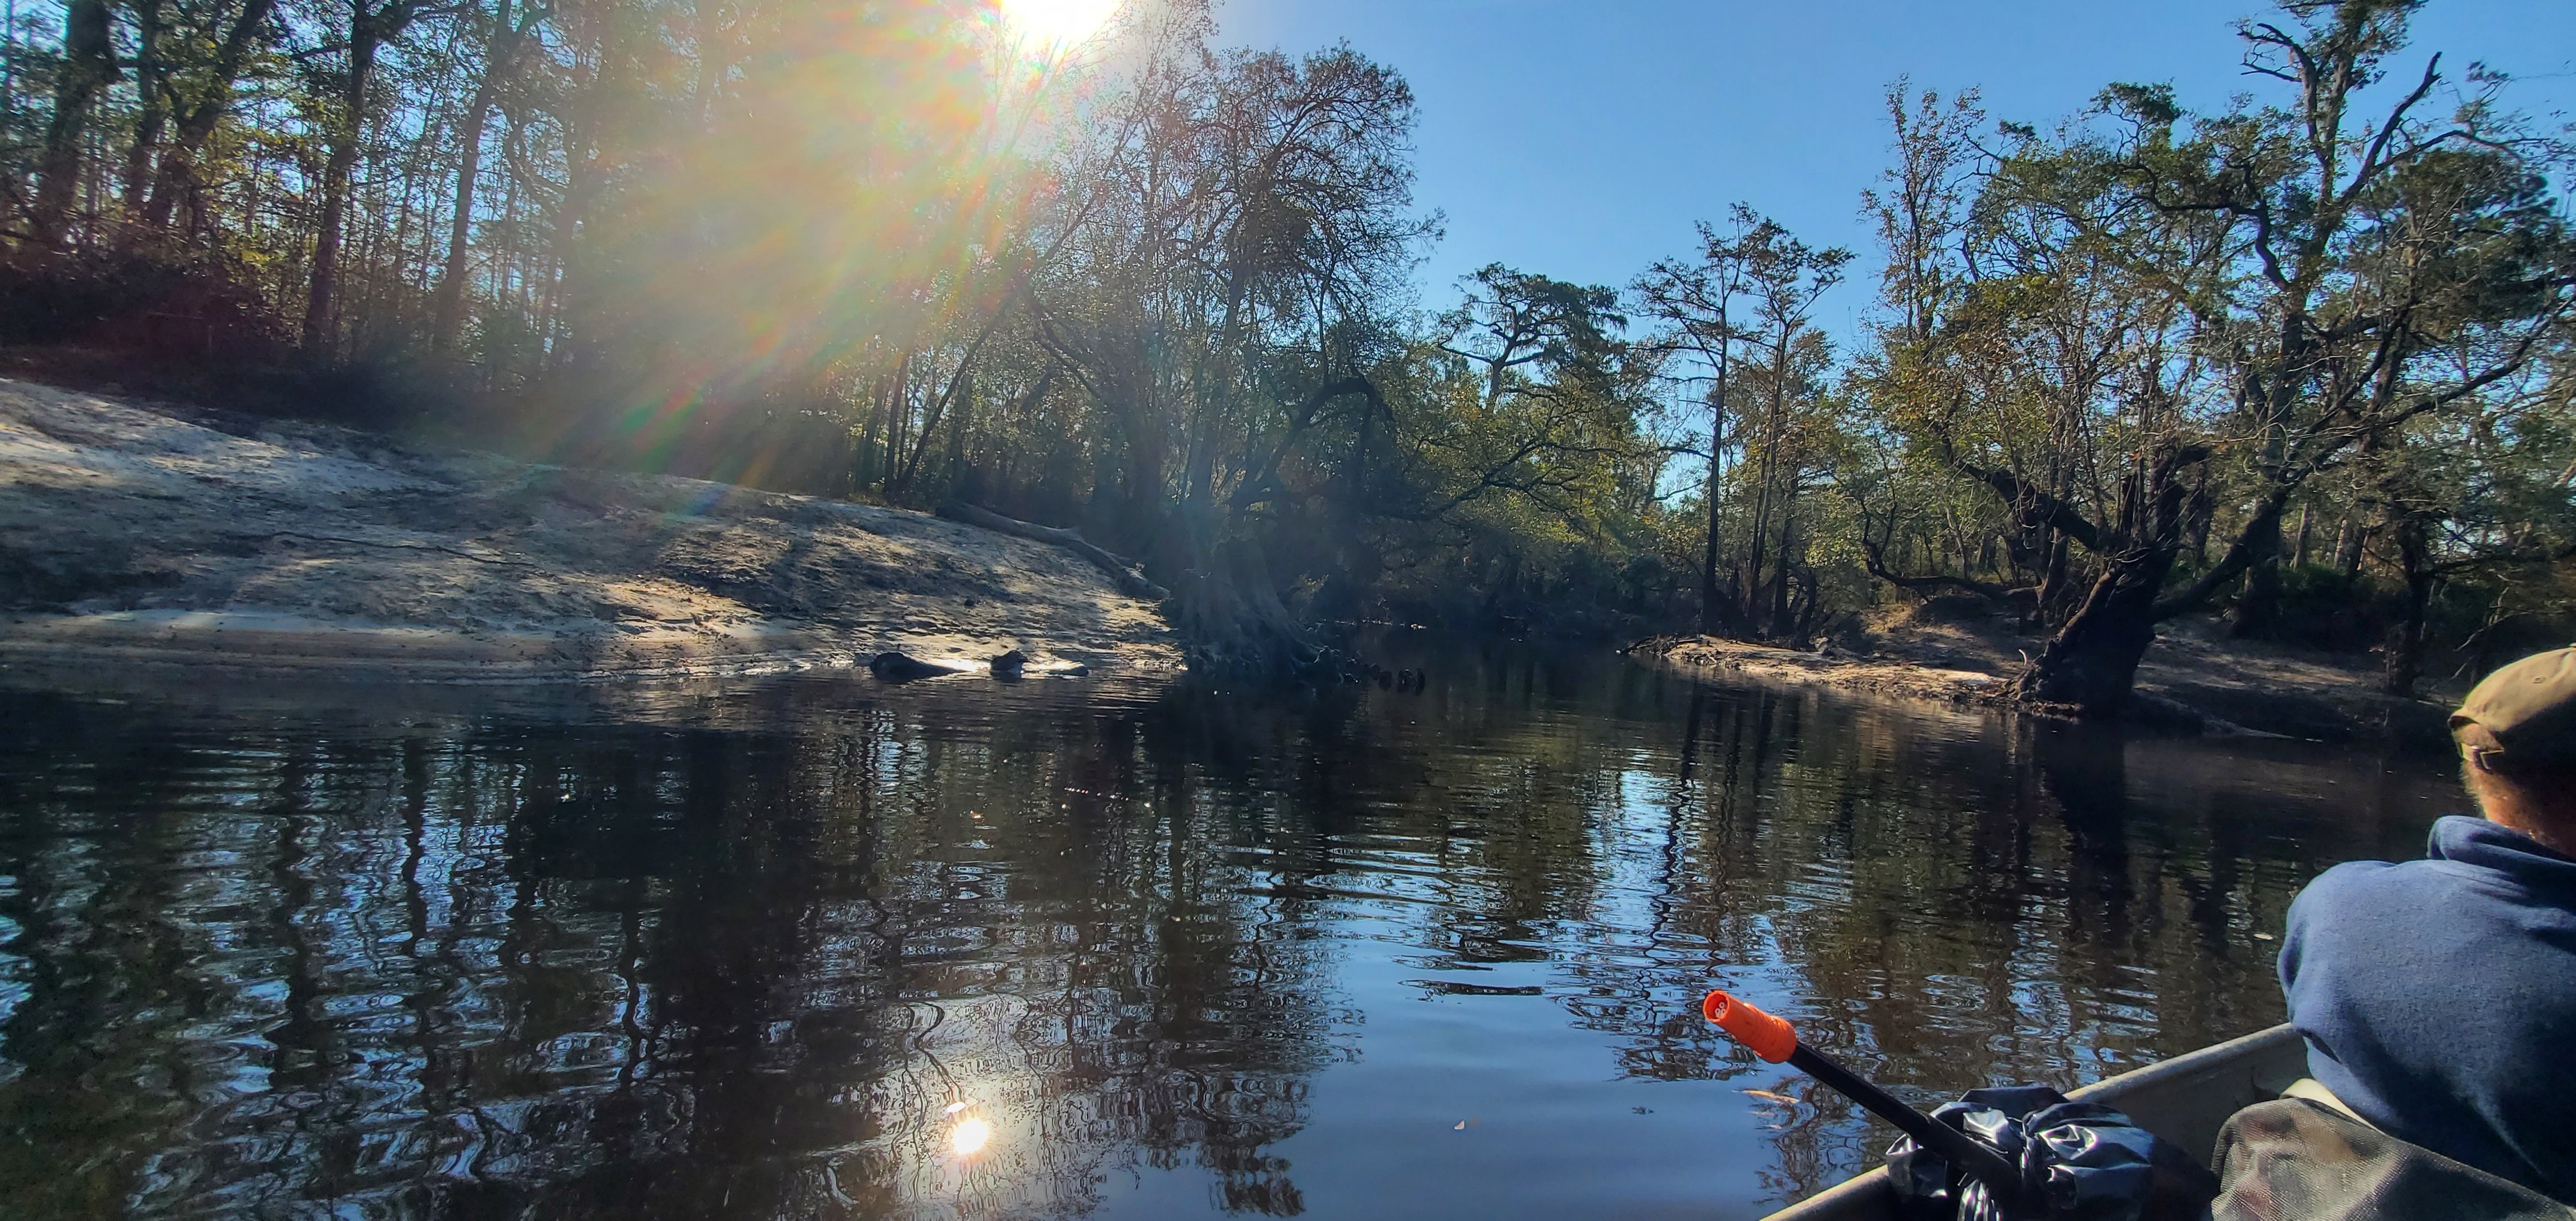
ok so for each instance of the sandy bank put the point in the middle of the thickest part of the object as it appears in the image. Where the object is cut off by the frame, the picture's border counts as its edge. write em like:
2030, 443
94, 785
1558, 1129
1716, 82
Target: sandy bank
156, 535
1718, 659
2194, 678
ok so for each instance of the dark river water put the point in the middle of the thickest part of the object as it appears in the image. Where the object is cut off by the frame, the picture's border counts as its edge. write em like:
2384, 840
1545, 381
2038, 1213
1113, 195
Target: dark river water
781, 948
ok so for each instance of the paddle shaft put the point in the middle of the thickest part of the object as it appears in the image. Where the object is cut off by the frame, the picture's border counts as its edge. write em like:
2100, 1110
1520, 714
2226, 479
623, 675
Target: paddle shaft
1999, 1176
1777, 1041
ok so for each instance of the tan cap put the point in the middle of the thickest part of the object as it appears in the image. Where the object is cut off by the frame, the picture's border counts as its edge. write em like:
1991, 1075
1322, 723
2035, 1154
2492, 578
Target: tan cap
2530, 709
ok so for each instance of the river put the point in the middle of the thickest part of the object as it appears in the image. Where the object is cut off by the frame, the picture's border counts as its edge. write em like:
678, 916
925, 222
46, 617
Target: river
790, 947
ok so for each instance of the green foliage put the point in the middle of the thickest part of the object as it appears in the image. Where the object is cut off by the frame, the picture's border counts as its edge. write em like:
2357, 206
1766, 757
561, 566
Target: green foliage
1159, 290
2294, 305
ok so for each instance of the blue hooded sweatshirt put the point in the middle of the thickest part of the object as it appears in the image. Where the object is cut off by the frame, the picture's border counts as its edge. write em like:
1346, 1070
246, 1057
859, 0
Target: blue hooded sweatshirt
2438, 998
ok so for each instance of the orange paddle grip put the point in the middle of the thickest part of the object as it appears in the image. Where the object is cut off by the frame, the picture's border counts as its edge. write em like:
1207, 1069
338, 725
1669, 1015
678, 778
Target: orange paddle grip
1770, 1038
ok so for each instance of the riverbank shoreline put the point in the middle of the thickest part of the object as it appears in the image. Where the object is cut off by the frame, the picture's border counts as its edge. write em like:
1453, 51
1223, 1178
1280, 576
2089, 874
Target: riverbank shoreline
2194, 680
155, 535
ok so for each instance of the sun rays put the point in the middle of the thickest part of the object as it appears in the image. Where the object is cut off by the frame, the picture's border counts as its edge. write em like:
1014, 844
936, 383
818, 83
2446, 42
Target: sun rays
1057, 22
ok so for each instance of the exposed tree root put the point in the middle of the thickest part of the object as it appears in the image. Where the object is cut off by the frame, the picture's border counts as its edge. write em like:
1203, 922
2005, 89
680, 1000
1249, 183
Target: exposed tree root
1232, 622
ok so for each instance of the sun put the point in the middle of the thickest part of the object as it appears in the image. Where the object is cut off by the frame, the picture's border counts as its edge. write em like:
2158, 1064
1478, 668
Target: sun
1063, 22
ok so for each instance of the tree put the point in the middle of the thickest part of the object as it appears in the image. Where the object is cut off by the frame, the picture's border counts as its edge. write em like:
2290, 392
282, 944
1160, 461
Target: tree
1240, 222
1753, 288
1552, 388
2234, 304
505, 38
1159, 291
2321, 341
88, 66
202, 94
1784, 278
362, 36
1693, 301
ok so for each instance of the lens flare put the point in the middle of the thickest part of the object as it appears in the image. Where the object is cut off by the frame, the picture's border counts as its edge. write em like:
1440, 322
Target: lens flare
968, 1137
1057, 21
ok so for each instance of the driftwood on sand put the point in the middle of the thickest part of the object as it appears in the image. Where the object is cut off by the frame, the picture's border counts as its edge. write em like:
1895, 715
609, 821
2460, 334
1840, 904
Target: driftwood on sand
903, 668
1119, 570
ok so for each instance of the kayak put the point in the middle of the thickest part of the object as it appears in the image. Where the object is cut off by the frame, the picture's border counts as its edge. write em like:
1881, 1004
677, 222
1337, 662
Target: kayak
2184, 1100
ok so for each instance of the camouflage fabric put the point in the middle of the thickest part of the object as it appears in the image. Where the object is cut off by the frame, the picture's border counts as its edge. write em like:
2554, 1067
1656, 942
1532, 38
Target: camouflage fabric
2298, 1160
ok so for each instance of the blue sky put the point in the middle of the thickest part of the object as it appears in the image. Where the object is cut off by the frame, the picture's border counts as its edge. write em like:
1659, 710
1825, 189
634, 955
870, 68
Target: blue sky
1580, 138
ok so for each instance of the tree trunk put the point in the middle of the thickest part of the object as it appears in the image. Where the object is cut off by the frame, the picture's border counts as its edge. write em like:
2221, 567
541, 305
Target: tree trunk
151, 116
1228, 612
2351, 546
89, 65
898, 393
448, 313
1782, 627
2258, 605
2048, 606
176, 176
1764, 472
1712, 612
2093, 661
320, 333
2403, 657
574, 317
961, 388
500, 52
2201, 517
1120, 570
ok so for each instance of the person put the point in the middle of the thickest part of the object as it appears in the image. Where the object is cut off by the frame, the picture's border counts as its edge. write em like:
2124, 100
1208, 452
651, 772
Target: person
2438, 997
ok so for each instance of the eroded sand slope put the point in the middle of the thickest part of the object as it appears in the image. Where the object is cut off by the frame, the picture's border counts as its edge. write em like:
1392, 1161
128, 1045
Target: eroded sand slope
200, 539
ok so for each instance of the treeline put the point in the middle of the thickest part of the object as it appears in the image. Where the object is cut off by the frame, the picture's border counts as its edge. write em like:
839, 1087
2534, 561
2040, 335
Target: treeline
895, 250
2304, 359
2160, 358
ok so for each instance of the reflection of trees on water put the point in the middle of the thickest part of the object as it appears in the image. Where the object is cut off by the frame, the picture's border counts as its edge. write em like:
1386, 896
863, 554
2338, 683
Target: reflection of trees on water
639, 973
1943, 901
469, 967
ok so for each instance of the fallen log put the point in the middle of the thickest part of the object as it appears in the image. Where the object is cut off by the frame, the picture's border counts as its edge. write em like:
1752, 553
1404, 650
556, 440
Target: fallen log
902, 668
1119, 570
